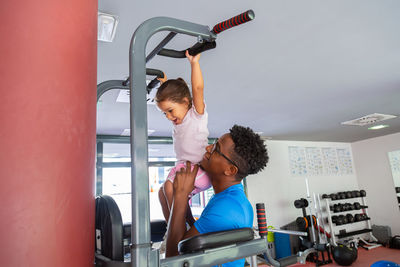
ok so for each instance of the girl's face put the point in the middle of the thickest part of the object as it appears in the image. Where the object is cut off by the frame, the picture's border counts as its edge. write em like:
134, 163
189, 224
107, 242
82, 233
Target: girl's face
174, 111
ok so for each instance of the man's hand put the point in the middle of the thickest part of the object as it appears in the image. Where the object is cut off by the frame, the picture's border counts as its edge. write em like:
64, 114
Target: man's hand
183, 185
184, 180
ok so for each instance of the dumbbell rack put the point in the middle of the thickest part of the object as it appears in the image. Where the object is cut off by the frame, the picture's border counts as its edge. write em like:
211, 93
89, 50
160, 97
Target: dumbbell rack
354, 234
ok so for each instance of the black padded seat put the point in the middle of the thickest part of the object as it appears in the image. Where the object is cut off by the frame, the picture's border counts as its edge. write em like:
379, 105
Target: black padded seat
215, 239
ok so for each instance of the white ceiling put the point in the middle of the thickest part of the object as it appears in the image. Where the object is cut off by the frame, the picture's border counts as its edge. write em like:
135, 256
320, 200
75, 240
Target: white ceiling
294, 73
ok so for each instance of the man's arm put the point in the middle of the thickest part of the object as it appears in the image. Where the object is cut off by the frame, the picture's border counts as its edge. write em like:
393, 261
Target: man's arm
183, 185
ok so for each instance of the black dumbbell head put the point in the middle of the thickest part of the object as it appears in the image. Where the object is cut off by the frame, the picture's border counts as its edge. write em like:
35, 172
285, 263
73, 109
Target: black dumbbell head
350, 218
363, 193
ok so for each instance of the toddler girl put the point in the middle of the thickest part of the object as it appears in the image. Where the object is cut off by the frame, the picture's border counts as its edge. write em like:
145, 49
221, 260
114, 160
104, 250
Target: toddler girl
190, 132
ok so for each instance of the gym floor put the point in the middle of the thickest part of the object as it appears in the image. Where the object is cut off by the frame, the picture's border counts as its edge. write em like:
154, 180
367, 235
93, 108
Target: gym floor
365, 258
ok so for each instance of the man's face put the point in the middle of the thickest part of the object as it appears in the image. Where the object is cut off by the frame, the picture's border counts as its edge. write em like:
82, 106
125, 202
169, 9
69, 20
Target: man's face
213, 162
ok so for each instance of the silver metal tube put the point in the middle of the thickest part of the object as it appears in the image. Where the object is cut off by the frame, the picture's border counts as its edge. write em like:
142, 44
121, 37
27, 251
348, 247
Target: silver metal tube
317, 216
288, 232
322, 217
310, 208
218, 255
333, 238
253, 261
140, 232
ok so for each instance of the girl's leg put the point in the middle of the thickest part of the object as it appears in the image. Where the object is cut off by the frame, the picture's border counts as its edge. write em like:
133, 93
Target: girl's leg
168, 191
163, 202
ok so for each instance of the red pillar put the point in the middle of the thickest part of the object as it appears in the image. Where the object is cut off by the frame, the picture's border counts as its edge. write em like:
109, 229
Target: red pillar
47, 132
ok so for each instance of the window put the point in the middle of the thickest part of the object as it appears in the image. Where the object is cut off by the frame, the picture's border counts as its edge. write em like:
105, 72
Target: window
114, 175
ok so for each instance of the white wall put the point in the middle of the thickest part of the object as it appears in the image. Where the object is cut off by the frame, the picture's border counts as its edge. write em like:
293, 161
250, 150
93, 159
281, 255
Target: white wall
278, 189
375, 176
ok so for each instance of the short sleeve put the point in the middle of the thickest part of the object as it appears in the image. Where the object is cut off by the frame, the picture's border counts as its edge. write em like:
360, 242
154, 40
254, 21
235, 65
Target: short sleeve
197, 115
222, 215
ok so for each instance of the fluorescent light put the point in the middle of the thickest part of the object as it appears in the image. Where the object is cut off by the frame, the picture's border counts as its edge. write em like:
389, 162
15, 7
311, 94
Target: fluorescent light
106, 27
127, 132
377, 127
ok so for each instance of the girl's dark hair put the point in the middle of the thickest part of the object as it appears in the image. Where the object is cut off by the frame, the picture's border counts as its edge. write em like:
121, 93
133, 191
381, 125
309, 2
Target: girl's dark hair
175, 90
250, 152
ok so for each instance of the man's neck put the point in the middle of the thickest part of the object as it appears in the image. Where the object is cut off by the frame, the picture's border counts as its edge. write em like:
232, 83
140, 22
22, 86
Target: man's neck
220, 186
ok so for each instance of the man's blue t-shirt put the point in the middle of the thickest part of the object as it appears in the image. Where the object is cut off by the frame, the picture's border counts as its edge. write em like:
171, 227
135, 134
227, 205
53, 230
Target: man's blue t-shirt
227, 210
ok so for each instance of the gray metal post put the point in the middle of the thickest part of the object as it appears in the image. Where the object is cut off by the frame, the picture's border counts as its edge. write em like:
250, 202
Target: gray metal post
140, 232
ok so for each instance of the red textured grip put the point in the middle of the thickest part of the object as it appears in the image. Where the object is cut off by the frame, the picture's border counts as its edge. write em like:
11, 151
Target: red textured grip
235, 21
261, 220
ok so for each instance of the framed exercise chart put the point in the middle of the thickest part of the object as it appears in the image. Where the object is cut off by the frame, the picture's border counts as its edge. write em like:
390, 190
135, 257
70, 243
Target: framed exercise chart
315, 161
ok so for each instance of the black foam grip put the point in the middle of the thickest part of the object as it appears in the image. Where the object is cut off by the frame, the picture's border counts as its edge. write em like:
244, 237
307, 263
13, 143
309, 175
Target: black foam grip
153, 83
235, 21
201, 47
194, 50
261, 220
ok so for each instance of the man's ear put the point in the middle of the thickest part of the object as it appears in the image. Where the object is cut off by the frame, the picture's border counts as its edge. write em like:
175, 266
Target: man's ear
231, 171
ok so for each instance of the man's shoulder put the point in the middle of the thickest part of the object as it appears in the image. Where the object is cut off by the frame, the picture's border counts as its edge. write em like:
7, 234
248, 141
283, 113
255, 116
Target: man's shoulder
232, 199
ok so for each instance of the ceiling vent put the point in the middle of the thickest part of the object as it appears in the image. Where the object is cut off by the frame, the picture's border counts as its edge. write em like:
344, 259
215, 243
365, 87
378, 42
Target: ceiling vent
369, 119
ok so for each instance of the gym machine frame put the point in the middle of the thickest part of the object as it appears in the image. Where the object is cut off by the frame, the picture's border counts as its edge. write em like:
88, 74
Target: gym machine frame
141, 251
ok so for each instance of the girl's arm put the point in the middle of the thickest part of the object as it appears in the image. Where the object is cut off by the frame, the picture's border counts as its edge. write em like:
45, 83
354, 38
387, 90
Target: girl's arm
197, 83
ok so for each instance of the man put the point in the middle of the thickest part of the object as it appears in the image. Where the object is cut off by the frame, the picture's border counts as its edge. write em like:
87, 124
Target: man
231, 158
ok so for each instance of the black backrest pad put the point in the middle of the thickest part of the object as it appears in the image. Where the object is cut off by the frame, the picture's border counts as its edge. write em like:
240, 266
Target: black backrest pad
215, 239
109, 223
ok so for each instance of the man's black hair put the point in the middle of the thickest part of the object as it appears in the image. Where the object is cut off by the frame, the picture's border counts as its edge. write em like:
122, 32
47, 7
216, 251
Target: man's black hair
250, 152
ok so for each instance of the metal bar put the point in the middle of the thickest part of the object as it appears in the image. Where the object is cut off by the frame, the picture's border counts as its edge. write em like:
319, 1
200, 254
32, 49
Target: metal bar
218, 255
153, 140
109, 85
160, 46
322, 217
99, 169
128, 164
288, 232
253, 261
140, 231
317, 216
328, 210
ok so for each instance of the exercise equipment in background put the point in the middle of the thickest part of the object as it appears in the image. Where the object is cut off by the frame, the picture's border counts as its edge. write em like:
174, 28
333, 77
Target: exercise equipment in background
385, 264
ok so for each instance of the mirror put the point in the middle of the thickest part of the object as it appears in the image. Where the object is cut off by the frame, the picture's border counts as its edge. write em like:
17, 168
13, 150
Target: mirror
394, 159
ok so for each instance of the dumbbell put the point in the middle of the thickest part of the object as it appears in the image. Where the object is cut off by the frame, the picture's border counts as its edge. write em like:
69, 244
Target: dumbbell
360, 217
334, 219
301, 203
354, 193
363, 193
341, 195
397, 189
349, 194
358, 206
346, 206
343, 218
334, 196
350, 218
338, 220
304, 222
337, 207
